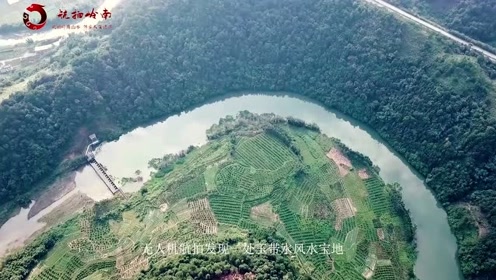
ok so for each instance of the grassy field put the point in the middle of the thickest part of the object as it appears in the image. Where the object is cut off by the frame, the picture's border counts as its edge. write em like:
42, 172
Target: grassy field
335, 226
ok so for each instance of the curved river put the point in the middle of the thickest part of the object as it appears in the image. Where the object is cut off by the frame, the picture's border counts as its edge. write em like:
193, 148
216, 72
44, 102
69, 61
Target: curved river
435, 243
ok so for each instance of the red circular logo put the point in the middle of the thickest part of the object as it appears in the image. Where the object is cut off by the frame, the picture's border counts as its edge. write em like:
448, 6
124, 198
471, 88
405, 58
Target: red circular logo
35, 8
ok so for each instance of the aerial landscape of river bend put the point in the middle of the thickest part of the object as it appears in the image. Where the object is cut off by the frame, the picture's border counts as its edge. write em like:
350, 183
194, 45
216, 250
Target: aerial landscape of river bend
408, 88
436, 244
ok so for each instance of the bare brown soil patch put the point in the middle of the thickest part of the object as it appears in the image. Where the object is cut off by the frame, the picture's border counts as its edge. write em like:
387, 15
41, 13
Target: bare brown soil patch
57, 190
128, 270
78, 144
344, 209
362, 173
380, 233
368, 273
202, 216
164, 207
264, 211
341, 161
238, 276
480, 220
71, 205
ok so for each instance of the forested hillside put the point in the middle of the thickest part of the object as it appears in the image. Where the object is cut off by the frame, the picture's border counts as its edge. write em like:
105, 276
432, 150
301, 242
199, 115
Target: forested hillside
474, 18
433, 104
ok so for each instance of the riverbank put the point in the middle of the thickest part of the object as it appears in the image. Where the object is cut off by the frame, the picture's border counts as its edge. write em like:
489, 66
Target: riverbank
60, 188
46, 192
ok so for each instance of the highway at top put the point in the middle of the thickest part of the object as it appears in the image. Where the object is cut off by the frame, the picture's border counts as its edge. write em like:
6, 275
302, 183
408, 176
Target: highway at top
432, 27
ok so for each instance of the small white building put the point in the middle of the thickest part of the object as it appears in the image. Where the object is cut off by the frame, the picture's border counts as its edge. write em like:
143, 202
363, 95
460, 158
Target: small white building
93, 138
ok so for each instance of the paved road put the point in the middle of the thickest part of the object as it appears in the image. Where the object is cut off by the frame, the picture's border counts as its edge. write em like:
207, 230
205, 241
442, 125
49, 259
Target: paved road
432, 27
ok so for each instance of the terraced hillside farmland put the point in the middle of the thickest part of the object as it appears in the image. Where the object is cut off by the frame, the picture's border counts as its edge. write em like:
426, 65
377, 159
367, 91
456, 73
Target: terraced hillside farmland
266, 198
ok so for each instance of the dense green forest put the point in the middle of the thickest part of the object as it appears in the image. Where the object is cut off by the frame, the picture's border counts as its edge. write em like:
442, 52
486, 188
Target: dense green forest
220, 266
18, 265
473, 18
433, 104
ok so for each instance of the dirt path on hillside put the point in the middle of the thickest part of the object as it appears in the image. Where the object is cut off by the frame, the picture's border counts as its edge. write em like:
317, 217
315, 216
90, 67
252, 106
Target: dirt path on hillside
480, 221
